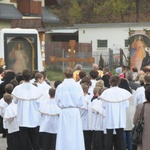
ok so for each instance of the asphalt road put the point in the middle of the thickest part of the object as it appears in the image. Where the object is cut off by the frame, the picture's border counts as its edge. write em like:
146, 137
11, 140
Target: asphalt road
3, 144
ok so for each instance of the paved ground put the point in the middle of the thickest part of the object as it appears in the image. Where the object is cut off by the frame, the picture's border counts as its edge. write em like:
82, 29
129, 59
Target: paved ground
3, 144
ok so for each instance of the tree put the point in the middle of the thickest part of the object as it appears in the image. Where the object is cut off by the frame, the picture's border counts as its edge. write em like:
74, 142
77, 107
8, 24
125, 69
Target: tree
137, 10
75, 12
120, 8
99, 11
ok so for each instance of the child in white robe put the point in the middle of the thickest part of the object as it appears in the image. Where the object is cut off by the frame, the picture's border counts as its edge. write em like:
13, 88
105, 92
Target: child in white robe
49, 121
10, 121
44, 87
8, 89
98, 114
84, 117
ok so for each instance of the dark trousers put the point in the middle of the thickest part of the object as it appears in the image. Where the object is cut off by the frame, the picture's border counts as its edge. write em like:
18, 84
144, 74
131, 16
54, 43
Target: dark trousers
98, 140
9, 141
127, 140
2, 130
110, 139
48, 141
13, 141
134, 147
88, 139
29, 138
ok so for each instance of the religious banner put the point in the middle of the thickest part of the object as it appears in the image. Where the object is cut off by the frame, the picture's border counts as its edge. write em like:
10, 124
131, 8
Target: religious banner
139, 52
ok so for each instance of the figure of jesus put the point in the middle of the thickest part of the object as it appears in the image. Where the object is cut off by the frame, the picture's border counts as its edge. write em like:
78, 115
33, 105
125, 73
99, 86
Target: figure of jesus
20, 58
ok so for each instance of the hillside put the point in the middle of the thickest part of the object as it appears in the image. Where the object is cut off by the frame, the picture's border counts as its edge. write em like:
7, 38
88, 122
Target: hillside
101, 11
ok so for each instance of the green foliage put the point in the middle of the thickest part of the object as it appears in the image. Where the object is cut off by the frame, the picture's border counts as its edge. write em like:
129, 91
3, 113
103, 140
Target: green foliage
96, 11
75, 12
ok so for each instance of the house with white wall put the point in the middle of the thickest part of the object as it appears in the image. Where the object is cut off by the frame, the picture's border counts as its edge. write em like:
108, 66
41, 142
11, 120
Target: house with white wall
105, 36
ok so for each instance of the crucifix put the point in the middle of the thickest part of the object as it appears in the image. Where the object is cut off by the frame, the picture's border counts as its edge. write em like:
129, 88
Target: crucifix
72, 59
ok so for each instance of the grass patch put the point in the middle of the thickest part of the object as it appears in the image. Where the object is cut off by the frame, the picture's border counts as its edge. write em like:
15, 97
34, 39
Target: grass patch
53, 75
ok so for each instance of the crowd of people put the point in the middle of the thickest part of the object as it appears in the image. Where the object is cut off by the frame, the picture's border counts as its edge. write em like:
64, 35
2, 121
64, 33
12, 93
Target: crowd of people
86, 111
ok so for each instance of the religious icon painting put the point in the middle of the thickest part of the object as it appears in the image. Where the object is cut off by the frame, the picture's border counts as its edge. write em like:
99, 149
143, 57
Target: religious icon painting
20, 51
139, 41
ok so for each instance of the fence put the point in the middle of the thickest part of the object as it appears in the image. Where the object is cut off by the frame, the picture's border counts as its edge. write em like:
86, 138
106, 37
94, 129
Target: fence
60, 50
108, 59
83, 50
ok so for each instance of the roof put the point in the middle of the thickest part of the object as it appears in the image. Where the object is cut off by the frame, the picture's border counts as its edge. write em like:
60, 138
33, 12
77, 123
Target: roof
28, 24
113, 25
47, 16
9, 11
63, 31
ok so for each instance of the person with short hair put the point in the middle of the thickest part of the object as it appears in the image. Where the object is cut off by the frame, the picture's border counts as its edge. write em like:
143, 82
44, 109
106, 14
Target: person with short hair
28, 97
93, 74
8, 89
139, 96
56, 83
49, 121
11, 123
85, 118
129, 115
42, 85
135, 73
129, 77
100, 83
86, 80
69, 97
97, 119
3, 105
78, 68
106, 77
115, 101
14, 82
100, 72
33, 75
82, 74
46, 81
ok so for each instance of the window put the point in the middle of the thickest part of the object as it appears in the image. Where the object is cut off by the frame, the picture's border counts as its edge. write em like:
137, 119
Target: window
101, 43
126, 43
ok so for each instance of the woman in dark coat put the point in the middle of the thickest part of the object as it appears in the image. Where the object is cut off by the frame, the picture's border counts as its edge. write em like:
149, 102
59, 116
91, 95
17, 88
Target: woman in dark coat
146, 131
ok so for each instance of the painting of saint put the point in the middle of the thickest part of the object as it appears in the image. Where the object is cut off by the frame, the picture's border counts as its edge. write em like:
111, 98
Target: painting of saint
137, 50
20, 54
20, 58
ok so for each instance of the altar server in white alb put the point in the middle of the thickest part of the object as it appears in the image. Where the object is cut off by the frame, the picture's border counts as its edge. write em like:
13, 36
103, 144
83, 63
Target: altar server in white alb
42, 85
27, 96
84, 117
115, 102
98, 114
10, 122
8, 89
69, 97
49, 121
